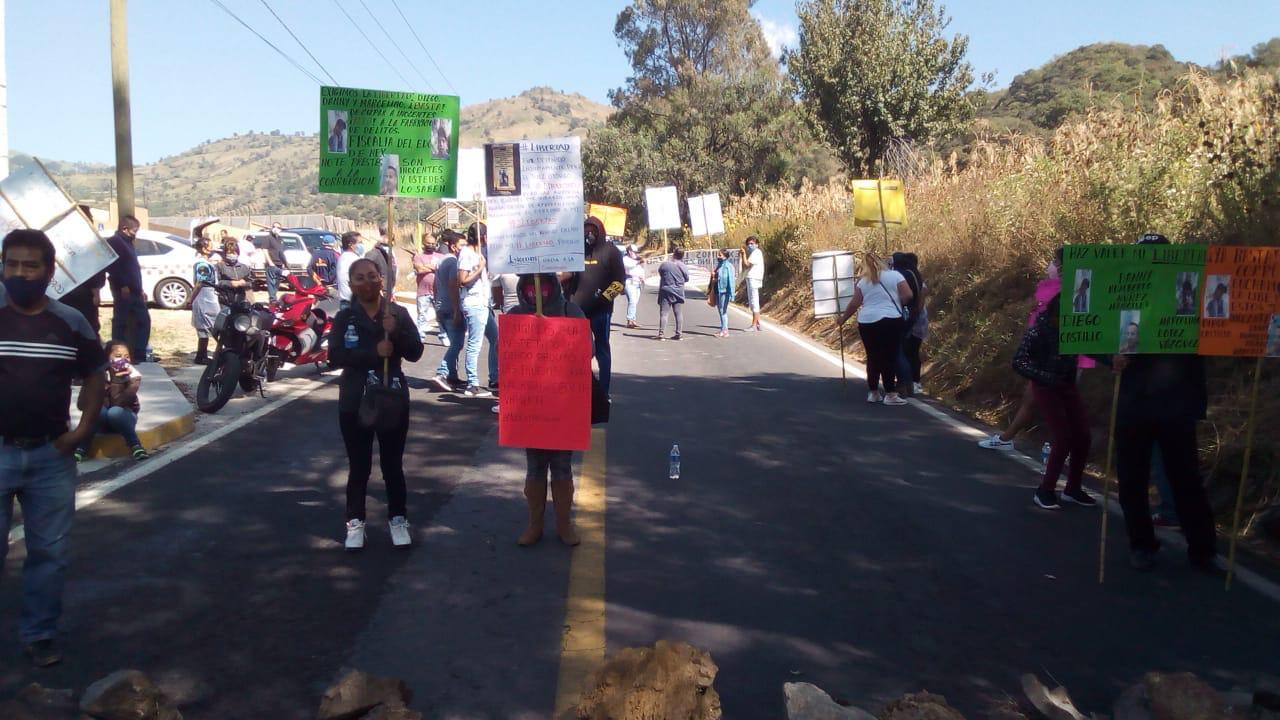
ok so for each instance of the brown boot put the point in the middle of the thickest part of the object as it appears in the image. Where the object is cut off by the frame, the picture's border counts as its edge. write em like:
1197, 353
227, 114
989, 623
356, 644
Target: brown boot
535, 491
562, 496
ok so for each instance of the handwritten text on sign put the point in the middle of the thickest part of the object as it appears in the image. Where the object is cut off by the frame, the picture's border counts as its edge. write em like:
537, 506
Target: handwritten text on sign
539, 229
546, 382
1241, 303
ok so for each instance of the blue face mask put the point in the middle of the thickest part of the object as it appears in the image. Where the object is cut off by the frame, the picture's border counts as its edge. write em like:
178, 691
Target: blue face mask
359, 248
25, 293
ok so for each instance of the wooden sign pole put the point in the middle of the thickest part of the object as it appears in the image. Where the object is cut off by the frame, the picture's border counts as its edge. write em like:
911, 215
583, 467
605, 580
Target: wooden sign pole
1244, 473
1106, 480
884, 223
537, 293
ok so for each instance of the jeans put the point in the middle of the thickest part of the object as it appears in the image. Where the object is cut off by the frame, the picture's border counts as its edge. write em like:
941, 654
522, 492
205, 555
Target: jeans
677, 309
604, 356
449, 363
131, 322
44, 482
491, 335
722, 304
1063, 410
881, 339
1176, 442
633, 298
273, 281
477, 318
426, 314
118, 420
359, 442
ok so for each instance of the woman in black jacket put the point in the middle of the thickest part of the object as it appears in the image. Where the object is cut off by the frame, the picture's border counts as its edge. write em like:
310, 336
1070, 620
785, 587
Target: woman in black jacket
370, 335
1053, 384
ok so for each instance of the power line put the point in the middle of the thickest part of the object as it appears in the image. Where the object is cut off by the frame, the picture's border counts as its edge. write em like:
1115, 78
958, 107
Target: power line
396, 44
423, 46
261, 37
372, 44
300, 43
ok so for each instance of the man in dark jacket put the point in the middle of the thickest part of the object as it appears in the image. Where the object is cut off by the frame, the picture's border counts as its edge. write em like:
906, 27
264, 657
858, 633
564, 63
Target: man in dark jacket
276, 265
601, 280
1161, 399
130, 319
384, 256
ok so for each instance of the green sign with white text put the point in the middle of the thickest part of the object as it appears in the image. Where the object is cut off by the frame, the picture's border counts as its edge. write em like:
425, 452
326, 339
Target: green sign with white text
397, 144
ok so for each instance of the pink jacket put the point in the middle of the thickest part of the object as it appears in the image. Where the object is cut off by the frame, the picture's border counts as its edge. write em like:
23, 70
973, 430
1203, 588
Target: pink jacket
1045, 291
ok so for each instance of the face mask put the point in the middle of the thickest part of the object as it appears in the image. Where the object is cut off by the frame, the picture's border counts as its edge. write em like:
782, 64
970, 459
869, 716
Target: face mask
359, 248
23, 292
232, 259
1052, 272
119, 364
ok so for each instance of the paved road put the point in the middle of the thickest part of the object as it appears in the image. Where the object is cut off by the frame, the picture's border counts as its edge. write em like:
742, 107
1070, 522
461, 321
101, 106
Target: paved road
868, 549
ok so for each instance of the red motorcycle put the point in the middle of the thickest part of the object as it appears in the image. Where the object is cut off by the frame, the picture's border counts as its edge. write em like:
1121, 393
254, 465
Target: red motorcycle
300, 333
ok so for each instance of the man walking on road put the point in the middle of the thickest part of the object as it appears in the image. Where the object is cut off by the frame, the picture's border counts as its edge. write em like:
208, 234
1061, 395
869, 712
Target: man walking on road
446, 291
672, 277
753, 270
130, 319
43, 346
602, 279
424, 270
276, 267
345, 260
473, 296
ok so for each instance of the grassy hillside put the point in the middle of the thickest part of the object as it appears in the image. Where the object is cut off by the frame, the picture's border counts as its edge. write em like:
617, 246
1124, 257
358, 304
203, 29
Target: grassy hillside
276, 173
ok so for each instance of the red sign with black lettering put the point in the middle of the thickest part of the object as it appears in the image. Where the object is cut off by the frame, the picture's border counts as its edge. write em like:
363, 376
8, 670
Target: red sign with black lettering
546, 382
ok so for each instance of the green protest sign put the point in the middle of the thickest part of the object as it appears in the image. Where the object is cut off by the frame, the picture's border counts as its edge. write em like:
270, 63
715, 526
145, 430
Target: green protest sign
1130, 299
376, 142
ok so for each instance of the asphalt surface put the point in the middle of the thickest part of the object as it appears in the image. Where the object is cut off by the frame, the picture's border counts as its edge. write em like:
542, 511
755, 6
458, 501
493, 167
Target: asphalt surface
870, 550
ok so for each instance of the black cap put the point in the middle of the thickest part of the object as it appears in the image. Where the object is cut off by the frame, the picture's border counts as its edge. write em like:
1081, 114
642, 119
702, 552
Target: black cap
1152, 239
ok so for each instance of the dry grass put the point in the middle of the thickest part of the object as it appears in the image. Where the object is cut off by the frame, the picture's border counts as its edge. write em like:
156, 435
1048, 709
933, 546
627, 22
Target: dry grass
1203, 167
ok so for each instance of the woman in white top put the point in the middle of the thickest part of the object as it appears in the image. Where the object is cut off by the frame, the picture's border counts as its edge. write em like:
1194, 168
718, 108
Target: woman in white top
879, 298
635, 281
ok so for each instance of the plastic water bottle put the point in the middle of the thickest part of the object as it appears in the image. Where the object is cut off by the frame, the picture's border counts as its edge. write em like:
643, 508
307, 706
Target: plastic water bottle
675, 463
1044, 454
351, 338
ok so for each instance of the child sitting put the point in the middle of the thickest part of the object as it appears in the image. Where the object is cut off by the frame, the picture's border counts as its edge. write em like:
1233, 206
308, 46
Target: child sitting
120, 405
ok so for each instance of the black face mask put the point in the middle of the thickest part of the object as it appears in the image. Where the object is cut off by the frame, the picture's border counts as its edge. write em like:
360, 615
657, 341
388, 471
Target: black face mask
23, 292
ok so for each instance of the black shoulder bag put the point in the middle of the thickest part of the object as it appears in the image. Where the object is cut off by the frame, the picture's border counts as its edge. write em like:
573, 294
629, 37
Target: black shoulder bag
383, 407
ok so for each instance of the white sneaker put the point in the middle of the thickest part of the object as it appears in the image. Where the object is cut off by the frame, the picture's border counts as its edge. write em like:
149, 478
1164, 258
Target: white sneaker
995, 443
873, 397
917, 388
894, 398
400, 532
355, 535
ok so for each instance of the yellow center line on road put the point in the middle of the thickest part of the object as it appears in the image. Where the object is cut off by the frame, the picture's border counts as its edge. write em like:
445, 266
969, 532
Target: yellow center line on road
582, 645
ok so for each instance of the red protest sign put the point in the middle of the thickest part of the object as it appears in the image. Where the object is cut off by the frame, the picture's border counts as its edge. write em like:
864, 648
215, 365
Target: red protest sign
546, 382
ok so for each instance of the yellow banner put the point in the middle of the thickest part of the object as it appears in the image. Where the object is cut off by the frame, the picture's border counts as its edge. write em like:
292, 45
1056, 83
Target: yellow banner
614, 218
870, 195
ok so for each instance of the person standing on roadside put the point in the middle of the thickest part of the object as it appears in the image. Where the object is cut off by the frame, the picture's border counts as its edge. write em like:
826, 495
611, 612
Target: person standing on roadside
726, 288
235, 277
634, 266
324, 264
204, 304
44, 345
424, 271
878, 299
348, 257
473, 296
448, 311
276, 265
601, 280
753, 269
383, 256
672, 277
917, 319
130, 319
1162, 397
370, 336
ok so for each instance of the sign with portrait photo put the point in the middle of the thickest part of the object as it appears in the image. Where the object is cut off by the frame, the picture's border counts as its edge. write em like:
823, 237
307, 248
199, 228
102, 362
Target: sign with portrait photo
1241, 301
538, 226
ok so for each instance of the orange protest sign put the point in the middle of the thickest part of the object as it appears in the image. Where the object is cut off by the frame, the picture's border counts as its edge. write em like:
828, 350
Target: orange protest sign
1240, 302
614, 218
546, 382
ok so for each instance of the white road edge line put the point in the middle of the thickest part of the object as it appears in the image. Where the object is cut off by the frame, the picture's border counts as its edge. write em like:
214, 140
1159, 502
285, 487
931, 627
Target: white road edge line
91, 494
1262, 585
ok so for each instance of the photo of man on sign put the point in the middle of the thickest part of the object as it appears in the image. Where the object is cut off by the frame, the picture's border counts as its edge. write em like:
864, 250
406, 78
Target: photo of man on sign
390, 174
1218, 297
1186, 292
338, 131
1130, 331
1084, 279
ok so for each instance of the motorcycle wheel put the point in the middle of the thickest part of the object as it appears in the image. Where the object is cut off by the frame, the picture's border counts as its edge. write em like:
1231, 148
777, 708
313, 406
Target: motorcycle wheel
218, 382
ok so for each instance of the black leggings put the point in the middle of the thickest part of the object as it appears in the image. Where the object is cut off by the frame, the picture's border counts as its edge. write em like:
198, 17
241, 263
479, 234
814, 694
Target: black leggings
881, 339
911, 346
359, 442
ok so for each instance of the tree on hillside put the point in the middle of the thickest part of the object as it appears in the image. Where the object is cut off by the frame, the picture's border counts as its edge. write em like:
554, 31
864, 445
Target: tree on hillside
874, 72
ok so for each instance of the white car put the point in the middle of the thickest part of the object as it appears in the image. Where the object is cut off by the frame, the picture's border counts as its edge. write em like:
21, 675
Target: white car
167, 263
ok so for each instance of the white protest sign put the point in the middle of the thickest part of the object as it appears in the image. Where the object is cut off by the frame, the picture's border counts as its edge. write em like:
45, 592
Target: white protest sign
31, 198
470, 175
705, 216
833, 282
534, 202
663, 206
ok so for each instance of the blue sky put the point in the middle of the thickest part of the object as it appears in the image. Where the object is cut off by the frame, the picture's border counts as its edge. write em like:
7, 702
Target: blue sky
198, 75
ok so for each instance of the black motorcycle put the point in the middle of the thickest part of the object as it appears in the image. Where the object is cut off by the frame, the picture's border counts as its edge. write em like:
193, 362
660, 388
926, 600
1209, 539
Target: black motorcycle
241, 331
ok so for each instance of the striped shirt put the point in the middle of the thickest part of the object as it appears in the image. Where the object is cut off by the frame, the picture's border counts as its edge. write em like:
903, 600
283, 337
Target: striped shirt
39, 356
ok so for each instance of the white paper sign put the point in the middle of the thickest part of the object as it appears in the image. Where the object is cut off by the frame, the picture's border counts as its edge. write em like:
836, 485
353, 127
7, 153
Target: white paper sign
705, 217
32, 199
540, 229
470, 175
663, 206
833, 282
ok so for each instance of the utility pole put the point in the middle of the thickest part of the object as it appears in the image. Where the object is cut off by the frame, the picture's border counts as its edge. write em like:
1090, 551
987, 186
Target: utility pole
120, 93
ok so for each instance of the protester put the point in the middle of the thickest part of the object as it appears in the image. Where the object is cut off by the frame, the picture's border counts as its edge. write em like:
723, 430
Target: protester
753, 269
350, 254
878, 299
1161, 399
726, 290
557, 463
204, 304
43, 346
473, 298
324, 265
634, 266
1053, 383
276, 265
130, 318
917, 318
373, 335
235, 277
448, 311
673, 274
383, 256
121, 406
424, 271
601, 280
